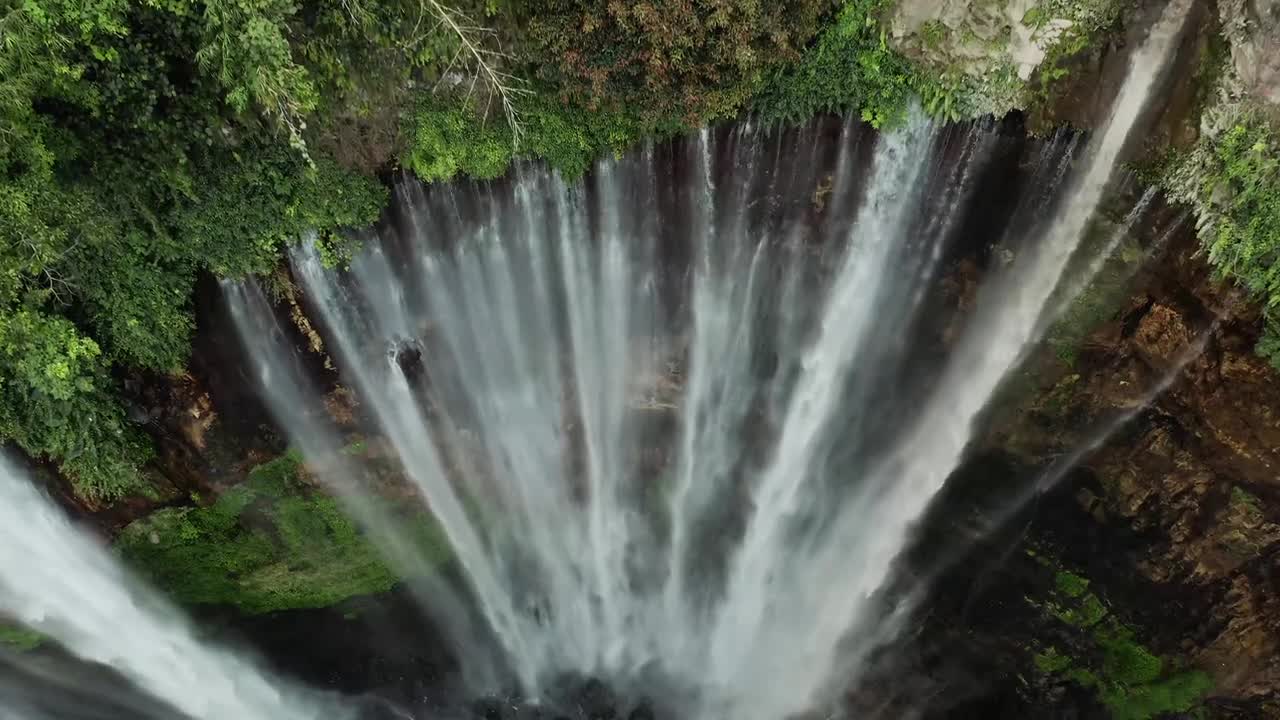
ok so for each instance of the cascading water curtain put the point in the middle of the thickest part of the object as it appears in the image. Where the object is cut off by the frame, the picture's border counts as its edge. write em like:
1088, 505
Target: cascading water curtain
663, 415
57, 580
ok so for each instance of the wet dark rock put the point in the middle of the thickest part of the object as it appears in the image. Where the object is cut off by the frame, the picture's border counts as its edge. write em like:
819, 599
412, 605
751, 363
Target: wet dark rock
408, 356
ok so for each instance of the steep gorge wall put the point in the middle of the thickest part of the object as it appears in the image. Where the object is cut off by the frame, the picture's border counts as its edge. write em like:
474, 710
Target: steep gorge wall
1185, 496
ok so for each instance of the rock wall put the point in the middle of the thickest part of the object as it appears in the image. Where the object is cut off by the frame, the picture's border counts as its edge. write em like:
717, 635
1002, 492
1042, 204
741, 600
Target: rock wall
1253, 28
1191, 477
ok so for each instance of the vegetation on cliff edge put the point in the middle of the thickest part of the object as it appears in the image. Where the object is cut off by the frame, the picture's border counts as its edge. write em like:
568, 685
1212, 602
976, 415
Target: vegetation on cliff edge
271, 543
1231, 178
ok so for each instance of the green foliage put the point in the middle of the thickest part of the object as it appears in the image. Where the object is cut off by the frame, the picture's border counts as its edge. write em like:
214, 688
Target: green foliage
244, 45
264, 198
268, 544
1246, 500
1244, 192
140, 144
1177, 693
850, 66
55, 400
665, 60
1134, 684
943, 96
446, 141
1087, 612
1246, 239
1051, 661
1126, 662
1268, 345
447, 138
1231, 178
570, 138
933, 33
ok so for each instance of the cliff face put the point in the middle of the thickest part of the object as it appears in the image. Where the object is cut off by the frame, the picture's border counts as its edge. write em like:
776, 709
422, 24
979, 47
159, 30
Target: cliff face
1180, 495
1253, 27
1173, 517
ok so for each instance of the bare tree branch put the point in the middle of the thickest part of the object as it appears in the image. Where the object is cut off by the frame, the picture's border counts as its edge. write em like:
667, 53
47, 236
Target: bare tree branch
501, 84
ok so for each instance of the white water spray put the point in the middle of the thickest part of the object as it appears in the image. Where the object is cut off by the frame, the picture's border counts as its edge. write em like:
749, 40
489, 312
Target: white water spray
60, 582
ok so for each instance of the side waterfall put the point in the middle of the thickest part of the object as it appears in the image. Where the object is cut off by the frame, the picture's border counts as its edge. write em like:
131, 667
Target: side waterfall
668, 416
62, 583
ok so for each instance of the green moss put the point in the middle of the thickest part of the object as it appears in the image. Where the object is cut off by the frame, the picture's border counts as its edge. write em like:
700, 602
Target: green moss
1133, 682
1082, 676
1246, 500
1232, 181
1177, 693
1071, 584
1084, 613
1051, 661
1124, 661
20, 638
268, 544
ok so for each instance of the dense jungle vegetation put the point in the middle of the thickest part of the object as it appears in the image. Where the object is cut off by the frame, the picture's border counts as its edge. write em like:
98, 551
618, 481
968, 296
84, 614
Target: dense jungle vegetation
144, 142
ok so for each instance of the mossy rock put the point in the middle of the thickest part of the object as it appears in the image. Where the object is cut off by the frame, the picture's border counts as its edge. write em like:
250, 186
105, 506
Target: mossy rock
268, 544
1104, 655
20, 639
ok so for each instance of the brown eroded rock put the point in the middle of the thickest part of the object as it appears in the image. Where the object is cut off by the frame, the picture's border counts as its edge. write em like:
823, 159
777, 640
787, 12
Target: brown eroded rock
1162, 335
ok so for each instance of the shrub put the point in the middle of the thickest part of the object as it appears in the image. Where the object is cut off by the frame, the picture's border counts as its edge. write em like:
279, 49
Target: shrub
55, 401
850, 66
664, 60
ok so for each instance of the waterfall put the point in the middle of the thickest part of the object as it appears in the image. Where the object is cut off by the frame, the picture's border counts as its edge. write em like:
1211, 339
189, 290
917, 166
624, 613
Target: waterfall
59, 581
294, 400
671, 417
853, 558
